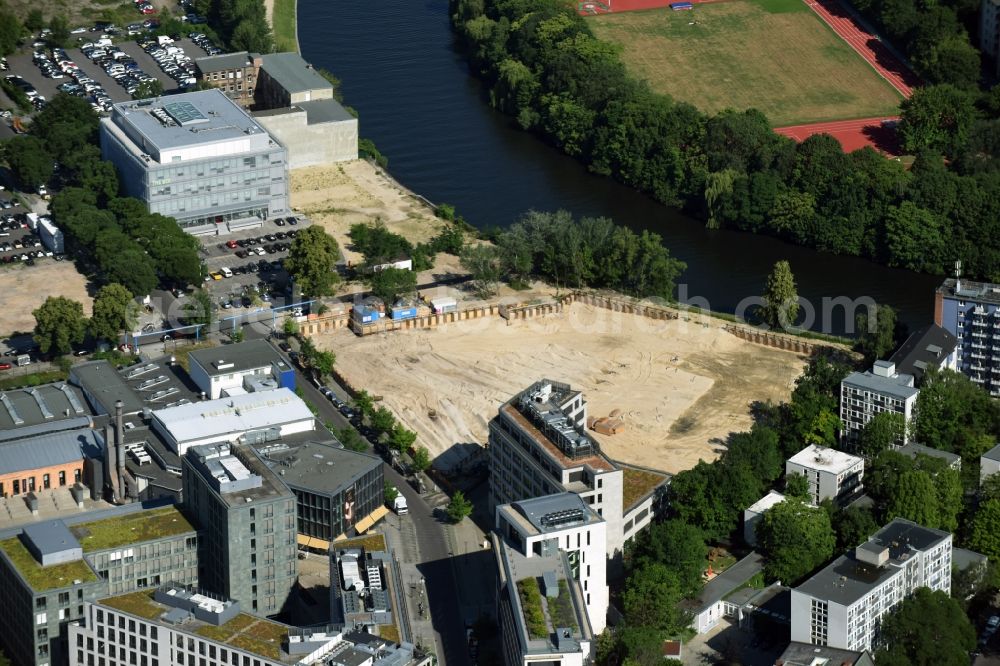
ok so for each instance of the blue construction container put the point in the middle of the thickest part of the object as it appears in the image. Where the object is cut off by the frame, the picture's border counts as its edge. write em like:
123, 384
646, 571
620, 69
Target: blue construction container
286, 379
366, 314
404, 312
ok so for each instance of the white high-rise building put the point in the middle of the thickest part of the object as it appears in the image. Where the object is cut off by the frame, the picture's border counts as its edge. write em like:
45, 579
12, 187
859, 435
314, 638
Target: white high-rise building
832, 474
841, 605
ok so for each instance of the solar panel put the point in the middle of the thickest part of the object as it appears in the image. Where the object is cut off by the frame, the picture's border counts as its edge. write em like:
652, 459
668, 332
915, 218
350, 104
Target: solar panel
557, 518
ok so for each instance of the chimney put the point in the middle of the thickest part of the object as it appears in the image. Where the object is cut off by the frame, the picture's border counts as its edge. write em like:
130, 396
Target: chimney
120, 449
110, 462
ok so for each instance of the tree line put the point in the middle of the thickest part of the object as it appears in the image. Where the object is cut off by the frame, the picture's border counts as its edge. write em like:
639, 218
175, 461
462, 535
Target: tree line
242, 24
542, 66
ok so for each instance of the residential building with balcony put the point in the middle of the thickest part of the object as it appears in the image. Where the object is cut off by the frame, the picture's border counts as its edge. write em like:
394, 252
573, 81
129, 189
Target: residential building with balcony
249, 521
539, 445
831, 474
841, 606
971, 312
865, 394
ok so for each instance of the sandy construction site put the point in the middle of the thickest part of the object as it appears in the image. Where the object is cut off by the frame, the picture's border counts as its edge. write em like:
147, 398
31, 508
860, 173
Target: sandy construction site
25, 288
681, 385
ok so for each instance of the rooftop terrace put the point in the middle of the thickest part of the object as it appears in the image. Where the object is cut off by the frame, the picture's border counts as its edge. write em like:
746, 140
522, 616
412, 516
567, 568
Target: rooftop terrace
132, 528
44, 578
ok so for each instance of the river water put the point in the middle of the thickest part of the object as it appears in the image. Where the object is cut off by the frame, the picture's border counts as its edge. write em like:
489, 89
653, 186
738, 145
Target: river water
421, 107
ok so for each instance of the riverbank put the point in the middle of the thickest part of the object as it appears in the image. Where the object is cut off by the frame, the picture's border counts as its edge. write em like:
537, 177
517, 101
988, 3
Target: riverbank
281, 14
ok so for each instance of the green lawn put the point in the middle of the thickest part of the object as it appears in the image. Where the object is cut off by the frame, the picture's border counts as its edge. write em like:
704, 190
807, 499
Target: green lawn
284, 26
773, 55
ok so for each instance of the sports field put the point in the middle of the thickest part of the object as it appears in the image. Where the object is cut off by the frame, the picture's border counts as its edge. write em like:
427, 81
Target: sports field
773, 55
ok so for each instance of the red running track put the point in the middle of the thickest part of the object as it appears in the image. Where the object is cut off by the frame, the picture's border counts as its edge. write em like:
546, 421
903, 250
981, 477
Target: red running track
852, 134
867, 45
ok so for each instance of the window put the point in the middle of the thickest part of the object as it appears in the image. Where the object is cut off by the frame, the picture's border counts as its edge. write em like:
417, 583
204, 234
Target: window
62, 478
41, 618
40, 603
46, 481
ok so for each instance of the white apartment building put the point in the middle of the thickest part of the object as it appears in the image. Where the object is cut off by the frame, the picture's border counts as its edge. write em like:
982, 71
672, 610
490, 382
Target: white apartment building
541, 607
753, 514
989, 463
238, 369
865, 394
539, 446
544, 526
180, 625
831, 474
841, 605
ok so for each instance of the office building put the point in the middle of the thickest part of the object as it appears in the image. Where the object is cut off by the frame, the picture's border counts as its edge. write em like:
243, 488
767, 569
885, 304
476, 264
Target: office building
360, 586
841, 606
238, 369
248, 517
178, 624
930, 348
233, 73
753, 514
336, 490
297, 105
971, 312
553, 630
545, 526
865, 394
249, 418
199, 158
832, 475
49, 570
539, 446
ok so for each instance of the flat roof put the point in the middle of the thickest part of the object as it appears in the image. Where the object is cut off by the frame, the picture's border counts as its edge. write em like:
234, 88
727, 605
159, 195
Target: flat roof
823, 458
50, 536
316, 466
102, 383
185, 120
160, 383
59, 448
270, 487
292, 72
123, 530
963, 558
50, 577
772, 498
930, 345
42, 407
986, 292
912, 450
898, 386
598, 461
224, 61
241, 357
240, 413
554, 513
324, 111
846, 579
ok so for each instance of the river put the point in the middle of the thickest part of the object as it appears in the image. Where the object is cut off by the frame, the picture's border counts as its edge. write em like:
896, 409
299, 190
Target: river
421, 107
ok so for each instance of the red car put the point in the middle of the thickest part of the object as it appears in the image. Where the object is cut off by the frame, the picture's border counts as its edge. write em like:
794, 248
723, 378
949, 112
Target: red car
231, 244
5, 366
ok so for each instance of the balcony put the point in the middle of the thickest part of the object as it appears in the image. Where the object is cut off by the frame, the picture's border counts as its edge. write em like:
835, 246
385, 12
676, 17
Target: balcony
975, 355
977, 334
976, 345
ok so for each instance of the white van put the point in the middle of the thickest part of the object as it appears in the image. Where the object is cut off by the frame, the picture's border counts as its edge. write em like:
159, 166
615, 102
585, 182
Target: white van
226, 272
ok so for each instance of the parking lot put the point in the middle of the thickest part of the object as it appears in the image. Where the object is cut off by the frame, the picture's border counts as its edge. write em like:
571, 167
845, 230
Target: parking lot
255, 259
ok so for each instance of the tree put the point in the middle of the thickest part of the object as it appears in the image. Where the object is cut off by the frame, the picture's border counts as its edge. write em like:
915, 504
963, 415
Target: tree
10, 34
953, 414
923, 489
290, 327
484, 263
35, 20
937, 117
781, 301
797, 485
383, 420
878, 333
115, 311
60, 30
390, 493
251, 35
985, 532
365, 403
59, 324
795, 538
400, 438
421, 459
676, 545
853, 526
391, 284
148, 89
29, 161
458, 508
652, 599
199, 309
351, 440
884, 430
312, 261
927, 629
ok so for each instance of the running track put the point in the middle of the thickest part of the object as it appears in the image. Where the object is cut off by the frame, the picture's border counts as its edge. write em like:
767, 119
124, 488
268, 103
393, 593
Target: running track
867, 45
852, 134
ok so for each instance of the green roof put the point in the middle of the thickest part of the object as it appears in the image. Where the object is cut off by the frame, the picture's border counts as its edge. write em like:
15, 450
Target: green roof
370, 542
44, 578
637, 483
138, 603
131, 528
249, 633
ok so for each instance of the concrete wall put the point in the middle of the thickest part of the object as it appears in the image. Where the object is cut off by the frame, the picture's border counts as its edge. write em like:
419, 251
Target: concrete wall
311, 145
